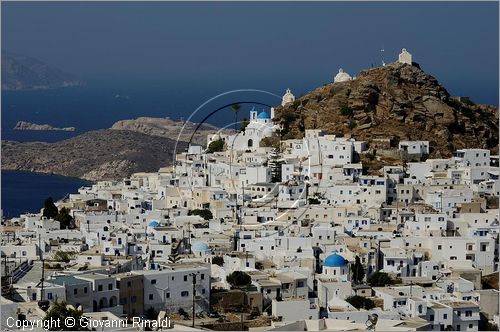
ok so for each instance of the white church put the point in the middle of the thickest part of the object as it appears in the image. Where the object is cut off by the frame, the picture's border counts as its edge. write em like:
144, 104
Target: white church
260, 126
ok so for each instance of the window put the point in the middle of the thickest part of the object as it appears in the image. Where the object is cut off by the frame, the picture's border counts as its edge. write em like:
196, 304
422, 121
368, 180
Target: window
445, 316
153, 282
110, 286
150, 296
85, 290
129, 284
468, 313
75, 291
202, 276
184, 293
49, 296
133, 299
440, 247
167, 296
99, 288
185, 278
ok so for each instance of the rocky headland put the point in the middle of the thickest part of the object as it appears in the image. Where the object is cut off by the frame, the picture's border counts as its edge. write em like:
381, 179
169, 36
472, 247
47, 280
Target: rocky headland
24, 125
95, 155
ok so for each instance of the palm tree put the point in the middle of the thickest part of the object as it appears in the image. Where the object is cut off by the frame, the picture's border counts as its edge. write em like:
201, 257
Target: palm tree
235, 108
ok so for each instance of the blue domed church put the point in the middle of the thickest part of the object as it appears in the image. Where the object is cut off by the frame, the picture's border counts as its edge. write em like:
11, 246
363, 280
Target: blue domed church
336, 265
335, 280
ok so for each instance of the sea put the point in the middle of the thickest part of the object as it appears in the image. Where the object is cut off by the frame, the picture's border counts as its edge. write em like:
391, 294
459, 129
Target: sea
97, 105
26, 191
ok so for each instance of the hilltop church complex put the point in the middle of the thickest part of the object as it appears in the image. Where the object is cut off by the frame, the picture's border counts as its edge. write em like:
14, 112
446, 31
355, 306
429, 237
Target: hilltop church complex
267, 233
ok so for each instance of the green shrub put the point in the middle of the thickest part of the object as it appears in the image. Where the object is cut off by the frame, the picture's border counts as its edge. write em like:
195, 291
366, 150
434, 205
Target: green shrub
346, 111
216, 146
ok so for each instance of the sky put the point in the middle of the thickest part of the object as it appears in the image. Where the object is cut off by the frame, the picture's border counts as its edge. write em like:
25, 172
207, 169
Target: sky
267, 45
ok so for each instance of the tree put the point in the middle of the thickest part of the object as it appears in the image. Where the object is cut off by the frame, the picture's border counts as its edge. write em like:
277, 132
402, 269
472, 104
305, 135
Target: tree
49, 208
238, 279
204, 213
313, 200
219, 260
244, 124
216, 146
64, 218
59, 311
236, 108
358, 271
174, 258
380, 279
360, 302
275, 162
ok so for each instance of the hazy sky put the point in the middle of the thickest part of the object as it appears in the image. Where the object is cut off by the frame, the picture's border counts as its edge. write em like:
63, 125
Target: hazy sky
262, 44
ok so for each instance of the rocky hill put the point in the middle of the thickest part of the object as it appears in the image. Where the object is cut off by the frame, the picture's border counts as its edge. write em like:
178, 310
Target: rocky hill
166, 127
95, 155
20, 72
399, 101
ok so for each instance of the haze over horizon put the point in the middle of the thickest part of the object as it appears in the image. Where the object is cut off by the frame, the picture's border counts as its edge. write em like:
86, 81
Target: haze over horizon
260, 45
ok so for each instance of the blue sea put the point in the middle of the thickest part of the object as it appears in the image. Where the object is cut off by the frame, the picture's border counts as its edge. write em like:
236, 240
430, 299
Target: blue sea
25, 191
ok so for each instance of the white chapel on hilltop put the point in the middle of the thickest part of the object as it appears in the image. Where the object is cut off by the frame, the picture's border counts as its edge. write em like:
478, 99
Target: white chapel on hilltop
288, 97
342, 76
405, 57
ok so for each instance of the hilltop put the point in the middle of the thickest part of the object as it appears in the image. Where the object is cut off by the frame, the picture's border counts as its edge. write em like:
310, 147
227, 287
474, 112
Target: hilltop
95, 155
21, 72
398, 101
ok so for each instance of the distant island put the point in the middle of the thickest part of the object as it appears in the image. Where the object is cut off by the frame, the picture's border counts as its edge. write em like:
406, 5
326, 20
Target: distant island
20, 72
24, 125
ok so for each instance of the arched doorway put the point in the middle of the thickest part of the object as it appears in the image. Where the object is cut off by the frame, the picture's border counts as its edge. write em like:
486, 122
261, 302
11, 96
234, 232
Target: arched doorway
103, 303
112, 301
250, 143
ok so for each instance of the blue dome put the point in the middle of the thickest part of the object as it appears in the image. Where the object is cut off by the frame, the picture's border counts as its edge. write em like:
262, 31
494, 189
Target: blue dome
199, 247
263, 115
335, 260
154, 223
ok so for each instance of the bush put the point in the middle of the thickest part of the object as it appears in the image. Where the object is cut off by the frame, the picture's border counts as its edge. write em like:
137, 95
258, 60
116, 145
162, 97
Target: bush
151, 313
205, 214
360, 302
216, 146
380, 279
346, 111
49, 208
238, 279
